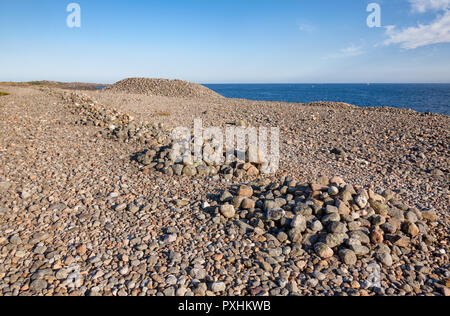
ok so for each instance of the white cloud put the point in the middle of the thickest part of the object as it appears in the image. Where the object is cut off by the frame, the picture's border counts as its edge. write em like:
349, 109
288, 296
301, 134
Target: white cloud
306, 27
350, 51
426, 5
422, 35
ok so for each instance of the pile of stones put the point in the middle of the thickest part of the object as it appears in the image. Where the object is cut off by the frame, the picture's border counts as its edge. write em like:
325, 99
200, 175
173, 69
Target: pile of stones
115, 125
330, 218
161, 158
162, 87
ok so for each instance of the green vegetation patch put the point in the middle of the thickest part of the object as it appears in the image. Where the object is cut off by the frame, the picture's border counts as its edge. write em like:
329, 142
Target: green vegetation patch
37, 83
3, 94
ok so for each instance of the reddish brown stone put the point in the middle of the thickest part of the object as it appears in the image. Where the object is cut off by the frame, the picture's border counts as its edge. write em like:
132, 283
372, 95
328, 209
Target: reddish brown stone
245, 190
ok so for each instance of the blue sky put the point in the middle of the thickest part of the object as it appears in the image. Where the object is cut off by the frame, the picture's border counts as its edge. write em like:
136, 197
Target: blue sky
226, 41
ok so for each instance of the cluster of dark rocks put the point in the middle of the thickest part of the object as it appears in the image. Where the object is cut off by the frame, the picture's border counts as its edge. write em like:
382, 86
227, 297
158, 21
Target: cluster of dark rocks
116, 125
162, 159
332, 218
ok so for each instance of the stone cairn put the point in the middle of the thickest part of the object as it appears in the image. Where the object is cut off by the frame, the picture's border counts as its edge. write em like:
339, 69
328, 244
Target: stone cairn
162, 159
331, 218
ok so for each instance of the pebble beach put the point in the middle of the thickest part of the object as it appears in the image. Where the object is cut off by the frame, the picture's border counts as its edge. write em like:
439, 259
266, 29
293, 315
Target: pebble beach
91, 205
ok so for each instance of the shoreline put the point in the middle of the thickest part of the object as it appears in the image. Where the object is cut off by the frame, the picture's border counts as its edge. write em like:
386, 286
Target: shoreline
100, 87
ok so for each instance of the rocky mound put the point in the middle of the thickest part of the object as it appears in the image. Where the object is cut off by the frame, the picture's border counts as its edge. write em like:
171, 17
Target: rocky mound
163, 87
332, 219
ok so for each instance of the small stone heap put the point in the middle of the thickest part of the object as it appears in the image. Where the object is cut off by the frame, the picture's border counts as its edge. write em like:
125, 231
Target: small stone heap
161, 158
331, 218
116, 125
162, 87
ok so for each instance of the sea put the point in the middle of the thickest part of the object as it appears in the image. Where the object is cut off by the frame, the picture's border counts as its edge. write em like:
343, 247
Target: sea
425, 98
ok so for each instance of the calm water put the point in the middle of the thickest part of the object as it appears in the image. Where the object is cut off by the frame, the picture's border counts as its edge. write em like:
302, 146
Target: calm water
419, 97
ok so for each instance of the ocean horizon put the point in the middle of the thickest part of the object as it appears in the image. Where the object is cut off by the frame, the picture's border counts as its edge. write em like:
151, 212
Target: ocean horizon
420, 97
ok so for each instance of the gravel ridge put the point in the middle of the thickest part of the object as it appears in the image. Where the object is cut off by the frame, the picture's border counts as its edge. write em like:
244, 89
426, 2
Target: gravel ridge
162, 87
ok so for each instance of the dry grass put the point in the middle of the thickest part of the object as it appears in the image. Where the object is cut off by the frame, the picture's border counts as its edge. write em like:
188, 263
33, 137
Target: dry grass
163, 114
3, 94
